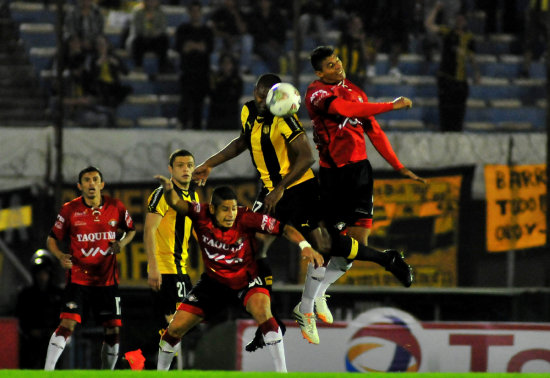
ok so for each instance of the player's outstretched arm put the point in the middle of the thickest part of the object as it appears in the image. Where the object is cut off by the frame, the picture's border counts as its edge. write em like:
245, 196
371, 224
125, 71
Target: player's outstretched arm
172, 199
232, 150
308, 253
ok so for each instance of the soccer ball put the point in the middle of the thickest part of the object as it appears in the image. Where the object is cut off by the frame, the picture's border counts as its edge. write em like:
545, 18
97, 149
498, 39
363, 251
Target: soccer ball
283, 100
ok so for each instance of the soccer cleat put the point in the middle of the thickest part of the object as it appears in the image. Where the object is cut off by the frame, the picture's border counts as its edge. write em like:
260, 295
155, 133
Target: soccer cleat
322, 310
257, 342
307, 325
399, 268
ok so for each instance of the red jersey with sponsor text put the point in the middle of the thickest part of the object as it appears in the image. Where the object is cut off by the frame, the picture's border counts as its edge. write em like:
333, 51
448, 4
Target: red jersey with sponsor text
227, 253
90, 230
339, 139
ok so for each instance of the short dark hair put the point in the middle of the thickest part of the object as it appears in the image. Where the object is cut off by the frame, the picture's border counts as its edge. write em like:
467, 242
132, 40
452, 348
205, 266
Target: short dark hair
222, 193
195, 3
179, 152
318, 55
87, 170
267, 81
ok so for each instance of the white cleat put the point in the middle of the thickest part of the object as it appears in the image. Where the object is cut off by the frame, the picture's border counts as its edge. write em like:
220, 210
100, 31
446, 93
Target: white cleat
322, 310
307, 325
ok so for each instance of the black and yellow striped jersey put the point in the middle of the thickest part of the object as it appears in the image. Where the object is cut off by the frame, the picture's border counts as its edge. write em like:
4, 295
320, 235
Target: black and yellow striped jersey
268, 138
457, 49
173, 232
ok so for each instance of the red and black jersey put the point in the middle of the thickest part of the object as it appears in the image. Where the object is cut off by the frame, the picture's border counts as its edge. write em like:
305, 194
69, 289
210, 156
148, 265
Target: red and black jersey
339, 139
90, 230
228, 254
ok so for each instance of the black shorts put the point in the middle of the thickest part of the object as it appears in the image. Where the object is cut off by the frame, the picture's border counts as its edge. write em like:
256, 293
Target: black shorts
172, 291
103, 302
346, 194
299, 206
209, 297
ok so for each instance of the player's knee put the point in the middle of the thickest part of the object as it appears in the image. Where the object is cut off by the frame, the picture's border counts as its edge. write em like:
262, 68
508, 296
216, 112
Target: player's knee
340, 263
344, 246
70, 324
112, 330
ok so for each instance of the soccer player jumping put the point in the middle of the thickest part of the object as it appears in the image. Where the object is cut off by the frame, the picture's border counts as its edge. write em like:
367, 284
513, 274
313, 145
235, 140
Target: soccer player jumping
341, 115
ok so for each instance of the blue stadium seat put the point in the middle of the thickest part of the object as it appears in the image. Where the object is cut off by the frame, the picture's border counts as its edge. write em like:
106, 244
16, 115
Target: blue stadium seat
24, 12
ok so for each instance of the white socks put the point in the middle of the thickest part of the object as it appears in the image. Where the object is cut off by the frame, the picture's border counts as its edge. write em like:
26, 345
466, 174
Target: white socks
318, 281
109, 356
55, 348
274, 342
166, 354
314, 278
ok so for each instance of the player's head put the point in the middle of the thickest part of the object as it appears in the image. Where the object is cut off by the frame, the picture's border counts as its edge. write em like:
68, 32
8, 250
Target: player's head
223, 206
90, 182
182, 165
263, 85
89, 169
327, 65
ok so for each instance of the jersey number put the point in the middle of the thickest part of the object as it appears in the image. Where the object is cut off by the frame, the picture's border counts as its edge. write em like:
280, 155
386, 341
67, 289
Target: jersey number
181, 289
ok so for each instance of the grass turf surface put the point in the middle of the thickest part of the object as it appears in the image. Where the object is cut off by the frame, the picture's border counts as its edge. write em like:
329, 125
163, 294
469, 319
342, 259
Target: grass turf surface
234, 374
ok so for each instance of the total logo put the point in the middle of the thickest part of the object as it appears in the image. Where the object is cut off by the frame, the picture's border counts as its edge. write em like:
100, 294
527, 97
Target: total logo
390, 340
385, 344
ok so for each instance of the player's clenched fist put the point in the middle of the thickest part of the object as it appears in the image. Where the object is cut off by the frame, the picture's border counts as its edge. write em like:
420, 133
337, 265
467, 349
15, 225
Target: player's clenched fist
402, 102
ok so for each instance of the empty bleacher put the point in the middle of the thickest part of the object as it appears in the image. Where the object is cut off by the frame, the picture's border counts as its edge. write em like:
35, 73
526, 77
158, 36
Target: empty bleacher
501, 101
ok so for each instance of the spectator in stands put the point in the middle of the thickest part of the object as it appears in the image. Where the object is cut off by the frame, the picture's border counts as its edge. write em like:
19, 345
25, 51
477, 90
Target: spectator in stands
226, 88
452, 84
231, 32
38, 311
268, 28
105, 71
81, 104
352, 50
389, 33
194, 43
537, 33
313, 16
84, 21
148, 33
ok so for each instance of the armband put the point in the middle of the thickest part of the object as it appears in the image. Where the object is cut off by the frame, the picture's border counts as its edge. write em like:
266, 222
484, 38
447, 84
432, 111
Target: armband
304, 244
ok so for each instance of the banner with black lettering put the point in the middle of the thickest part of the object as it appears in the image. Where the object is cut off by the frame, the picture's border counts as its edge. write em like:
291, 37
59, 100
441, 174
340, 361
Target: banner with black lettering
420, 219
516, 206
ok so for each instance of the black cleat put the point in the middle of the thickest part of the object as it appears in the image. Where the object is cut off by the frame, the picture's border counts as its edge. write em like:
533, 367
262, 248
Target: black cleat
256, 343
399, 268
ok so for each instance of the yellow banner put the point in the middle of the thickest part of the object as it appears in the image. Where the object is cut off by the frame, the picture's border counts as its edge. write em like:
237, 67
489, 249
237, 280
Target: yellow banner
516, 206
15, 217
421, 220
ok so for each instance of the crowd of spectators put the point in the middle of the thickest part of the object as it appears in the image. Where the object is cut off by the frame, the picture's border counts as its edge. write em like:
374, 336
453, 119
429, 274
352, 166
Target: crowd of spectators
218, 34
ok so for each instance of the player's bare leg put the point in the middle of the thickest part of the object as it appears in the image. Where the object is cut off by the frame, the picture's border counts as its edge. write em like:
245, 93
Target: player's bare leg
267, 276
259, 306
170, 341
